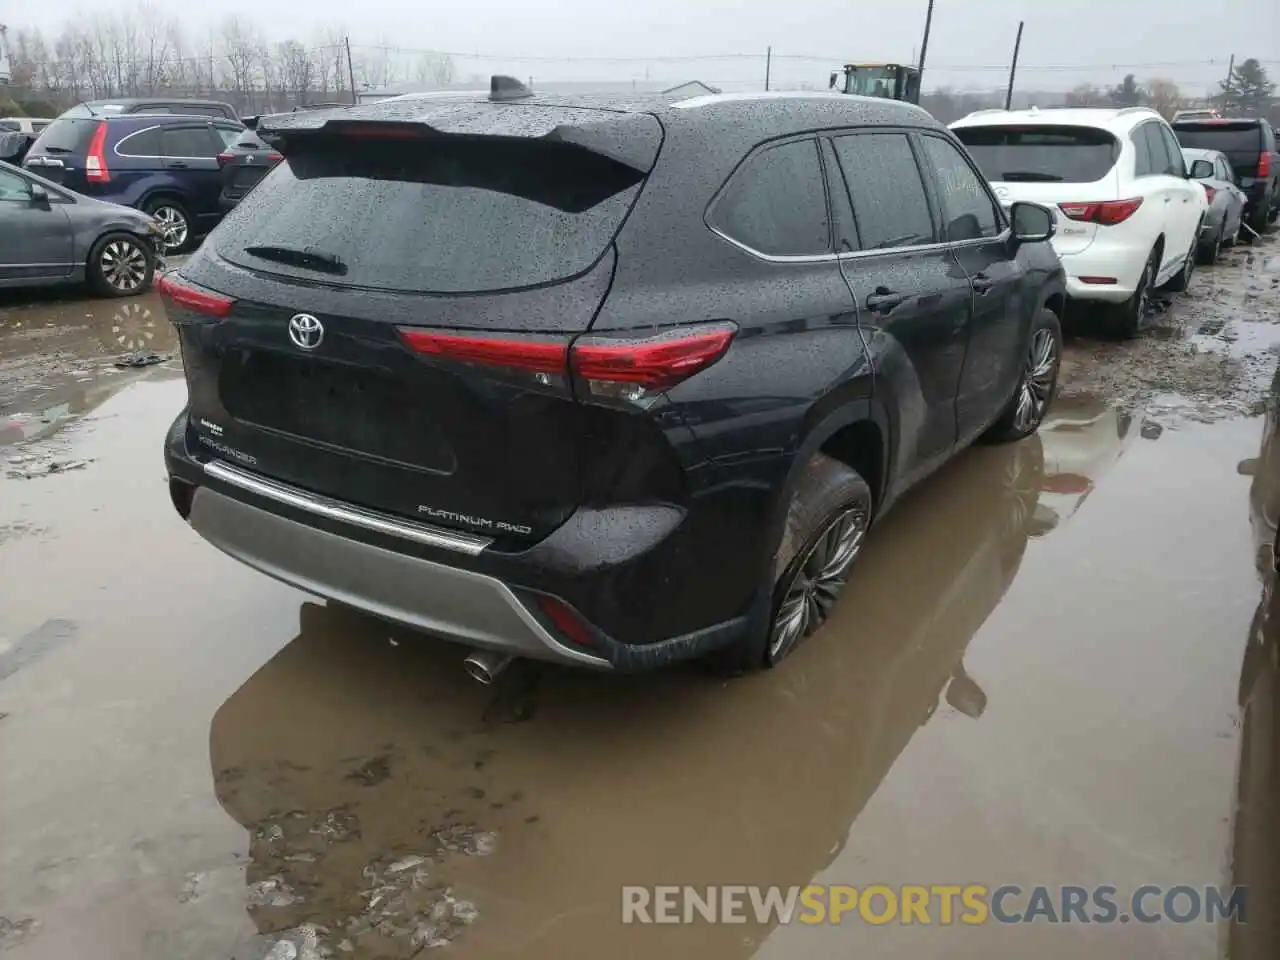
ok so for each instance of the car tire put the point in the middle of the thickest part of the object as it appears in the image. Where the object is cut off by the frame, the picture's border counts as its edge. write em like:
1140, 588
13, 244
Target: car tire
822, 537
1127, 318
120, 265
1182, 279
1209, 252
1037, 382
175, 220
1260, 218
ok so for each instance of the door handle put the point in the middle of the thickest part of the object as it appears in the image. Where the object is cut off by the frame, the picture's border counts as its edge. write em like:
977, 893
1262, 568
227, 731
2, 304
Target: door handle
178, 164
884, 300
981, 283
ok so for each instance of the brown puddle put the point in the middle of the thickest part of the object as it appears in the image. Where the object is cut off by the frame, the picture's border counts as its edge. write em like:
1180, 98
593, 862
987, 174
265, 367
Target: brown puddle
1051, 667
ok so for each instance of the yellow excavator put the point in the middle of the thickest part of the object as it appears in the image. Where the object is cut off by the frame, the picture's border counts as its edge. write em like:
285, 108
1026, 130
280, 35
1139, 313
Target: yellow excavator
889, 81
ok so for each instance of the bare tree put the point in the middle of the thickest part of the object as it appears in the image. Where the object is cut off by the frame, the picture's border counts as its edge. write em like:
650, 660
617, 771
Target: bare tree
434, 70
240, 52
1086, 95
1164, 96
297, 69
155, 37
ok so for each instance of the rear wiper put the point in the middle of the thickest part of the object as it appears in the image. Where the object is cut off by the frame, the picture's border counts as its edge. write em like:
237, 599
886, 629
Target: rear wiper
308, 258
1027, 176
52, 149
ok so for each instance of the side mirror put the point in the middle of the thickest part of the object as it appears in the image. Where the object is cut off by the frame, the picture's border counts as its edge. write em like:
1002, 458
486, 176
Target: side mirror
1032, 223
831, 85
1202, 170
39, 194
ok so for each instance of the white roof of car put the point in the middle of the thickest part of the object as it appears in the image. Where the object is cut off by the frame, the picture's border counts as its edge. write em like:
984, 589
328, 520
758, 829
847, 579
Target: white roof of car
1105, 117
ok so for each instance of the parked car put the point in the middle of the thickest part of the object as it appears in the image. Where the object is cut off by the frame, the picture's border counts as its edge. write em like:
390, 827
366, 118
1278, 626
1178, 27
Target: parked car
23, 124
181, 106
617, 397
1251, 147
163, 165
53, 236
14, 146
1129, 219
1226, 200
243, 164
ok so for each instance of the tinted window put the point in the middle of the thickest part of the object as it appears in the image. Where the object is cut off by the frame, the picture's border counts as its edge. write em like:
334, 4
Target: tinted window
38, 125
1143, 165
228, 135
967, 208
13, 187
1161, 163
776, 203
198, 110
144, 143
889, 202
1177, 165
190, 142
10, 125
1220, 135
67, 135
1041, 154
464, 216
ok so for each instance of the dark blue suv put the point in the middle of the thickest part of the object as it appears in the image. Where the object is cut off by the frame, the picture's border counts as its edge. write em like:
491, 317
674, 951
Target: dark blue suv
163, 164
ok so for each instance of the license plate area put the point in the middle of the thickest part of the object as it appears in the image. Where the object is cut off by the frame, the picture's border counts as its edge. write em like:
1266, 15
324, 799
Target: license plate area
365, 410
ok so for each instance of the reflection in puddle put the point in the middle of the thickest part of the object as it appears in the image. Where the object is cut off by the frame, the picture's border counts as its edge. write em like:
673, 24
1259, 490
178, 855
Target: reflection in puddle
383, 797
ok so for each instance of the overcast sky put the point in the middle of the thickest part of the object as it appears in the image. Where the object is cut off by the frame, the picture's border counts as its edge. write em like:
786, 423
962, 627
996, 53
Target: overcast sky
1171, 38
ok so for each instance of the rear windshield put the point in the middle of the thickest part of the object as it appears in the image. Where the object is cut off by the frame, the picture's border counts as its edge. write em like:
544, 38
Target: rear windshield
1041, 154
11, 126
66, 135
461, 215
1228, 137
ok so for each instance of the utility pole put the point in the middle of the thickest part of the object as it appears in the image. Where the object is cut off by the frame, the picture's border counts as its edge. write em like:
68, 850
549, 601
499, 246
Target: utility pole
1013, 67
924, 44
768, 65
1226, 95
351, 69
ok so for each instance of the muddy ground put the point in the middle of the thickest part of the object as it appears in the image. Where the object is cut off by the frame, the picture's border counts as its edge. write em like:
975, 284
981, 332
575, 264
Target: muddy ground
1055, 665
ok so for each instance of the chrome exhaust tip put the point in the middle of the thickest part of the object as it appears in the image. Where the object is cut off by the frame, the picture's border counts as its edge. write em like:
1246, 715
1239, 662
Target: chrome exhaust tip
484, 667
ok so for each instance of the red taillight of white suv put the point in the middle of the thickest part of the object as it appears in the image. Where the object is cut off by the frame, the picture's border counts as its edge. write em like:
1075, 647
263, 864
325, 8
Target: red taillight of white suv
1106, 213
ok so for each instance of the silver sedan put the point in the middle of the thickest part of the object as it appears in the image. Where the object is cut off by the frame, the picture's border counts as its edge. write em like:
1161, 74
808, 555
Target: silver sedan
1226, 200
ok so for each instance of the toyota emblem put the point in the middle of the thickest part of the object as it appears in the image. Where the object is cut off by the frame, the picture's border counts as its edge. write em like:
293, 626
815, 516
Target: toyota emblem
305, 331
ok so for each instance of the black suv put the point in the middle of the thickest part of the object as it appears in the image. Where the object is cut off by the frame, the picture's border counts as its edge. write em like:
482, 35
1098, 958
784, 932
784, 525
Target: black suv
180, 106
1250, 145
609, 382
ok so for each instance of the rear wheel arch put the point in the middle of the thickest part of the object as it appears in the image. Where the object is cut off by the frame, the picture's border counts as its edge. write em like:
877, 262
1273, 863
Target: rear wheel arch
1056, 303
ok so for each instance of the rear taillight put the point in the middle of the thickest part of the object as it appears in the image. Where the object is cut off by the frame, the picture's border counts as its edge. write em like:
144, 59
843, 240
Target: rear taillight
1264, 164
623, 367
95, 162
192, 298
1209, 191
223, 160
275, 157
1106, 213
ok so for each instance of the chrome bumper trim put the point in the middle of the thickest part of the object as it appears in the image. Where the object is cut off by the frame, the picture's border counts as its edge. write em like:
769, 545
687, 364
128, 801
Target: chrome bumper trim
468, 543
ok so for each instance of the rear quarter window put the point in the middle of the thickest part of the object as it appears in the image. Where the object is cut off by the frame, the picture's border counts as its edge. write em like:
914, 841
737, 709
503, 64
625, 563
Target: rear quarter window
1041, 153
776, 202
466, 215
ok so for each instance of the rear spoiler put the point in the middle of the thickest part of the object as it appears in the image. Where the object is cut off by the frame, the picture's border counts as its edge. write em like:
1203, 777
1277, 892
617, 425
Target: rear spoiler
631, 139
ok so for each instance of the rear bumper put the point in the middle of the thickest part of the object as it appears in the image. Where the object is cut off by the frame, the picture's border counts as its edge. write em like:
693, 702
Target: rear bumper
1122, 263
454, 585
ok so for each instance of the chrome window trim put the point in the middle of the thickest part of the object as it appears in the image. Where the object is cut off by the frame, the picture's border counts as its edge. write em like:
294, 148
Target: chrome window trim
468, 543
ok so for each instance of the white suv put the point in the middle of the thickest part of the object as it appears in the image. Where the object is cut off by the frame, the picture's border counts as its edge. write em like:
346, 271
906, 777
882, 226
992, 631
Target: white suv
1128, 216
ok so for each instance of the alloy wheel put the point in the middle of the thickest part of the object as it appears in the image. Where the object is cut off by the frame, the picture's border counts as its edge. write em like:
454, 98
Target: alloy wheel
1038, 378
174, 224
124, 266
817, 581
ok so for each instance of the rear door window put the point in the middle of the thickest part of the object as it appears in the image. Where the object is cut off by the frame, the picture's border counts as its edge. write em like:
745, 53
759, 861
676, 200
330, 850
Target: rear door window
969, 213
1161, 162
1177, 165
890, 205
190, 142
468, 215
1042, 153
776, 203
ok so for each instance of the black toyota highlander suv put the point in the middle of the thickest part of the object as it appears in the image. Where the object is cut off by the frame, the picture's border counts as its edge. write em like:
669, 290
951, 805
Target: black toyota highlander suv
609, 382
